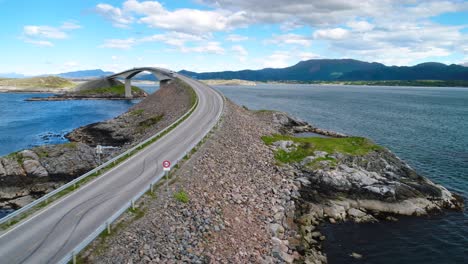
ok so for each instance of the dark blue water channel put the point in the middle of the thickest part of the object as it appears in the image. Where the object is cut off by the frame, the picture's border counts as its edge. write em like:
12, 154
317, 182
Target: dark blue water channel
427, 127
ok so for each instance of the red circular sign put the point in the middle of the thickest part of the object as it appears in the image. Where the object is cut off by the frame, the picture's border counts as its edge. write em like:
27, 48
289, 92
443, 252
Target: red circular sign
166, 164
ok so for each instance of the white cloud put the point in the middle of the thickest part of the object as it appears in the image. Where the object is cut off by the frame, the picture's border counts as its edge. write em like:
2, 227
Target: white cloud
308, 56
113, 57
279, 59
41, 35
331, 34
183, 42
241, 52
236, 38
153, 14
119, 43
40, 43
210, 47
44, 32
117, 17
361, 26
70, 25
293, 39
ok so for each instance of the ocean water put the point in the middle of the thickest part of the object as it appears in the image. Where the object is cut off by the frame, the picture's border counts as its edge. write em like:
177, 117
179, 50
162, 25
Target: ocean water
427, 127
27, 124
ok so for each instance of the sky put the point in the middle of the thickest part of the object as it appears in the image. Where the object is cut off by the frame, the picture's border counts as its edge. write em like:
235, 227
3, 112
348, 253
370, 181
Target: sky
48, 36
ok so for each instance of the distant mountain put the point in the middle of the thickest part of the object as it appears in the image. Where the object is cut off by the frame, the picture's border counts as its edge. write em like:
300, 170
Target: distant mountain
12, 75
86, 74
342, 70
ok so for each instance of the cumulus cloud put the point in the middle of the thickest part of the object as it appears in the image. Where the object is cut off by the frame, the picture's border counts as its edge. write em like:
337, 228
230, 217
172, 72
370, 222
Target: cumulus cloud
183, 42
40, 43
117, 17
331, 34
293, 39
41, 35
236, 38
153, 14
241, 52
119, 43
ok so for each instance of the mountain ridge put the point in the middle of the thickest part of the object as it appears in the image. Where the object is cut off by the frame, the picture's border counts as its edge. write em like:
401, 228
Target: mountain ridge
342, 70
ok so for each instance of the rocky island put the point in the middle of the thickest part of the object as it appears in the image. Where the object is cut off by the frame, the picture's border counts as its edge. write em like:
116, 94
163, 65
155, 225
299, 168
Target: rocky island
254, 192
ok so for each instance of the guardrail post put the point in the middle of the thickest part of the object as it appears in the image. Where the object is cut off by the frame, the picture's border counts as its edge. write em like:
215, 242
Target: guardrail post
73, 258
108, 227
151, 188
133, 205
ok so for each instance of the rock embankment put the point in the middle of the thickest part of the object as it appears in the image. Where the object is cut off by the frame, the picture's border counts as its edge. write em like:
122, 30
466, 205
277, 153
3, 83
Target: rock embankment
242, 204
29, 174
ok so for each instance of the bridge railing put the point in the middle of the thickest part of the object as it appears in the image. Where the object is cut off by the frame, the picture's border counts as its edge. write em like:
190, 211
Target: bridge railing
27, 210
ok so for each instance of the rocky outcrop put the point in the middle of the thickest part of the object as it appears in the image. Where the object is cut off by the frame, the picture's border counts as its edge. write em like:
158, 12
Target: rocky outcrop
290, 125
365, 187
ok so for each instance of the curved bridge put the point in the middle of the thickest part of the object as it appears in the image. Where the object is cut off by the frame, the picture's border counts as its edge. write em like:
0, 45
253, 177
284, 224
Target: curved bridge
163, 75
60, 230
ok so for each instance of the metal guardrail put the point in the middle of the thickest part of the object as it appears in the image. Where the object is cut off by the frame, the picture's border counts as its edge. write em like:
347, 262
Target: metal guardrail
72, 255
73, 183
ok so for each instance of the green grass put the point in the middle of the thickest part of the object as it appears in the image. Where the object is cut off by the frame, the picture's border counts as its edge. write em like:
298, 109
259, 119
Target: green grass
47, 82
307, 146
70, 145
149, 122
137, 112
181, 196
116, 90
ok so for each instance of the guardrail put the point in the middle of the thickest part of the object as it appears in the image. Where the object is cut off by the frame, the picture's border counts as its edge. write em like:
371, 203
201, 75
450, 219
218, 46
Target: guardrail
106, 225
44, 199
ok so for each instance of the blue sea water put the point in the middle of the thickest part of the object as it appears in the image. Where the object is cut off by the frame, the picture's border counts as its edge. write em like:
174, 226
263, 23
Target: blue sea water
427, 127
26, 124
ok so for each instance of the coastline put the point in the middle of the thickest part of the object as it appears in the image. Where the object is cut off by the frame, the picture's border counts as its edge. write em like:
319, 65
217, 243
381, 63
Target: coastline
288, 224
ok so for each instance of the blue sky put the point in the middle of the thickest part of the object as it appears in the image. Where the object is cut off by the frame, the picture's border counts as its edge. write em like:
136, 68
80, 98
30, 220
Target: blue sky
40, 37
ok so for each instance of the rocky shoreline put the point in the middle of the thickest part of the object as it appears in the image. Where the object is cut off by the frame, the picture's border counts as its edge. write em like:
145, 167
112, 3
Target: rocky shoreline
243, 205
29, 174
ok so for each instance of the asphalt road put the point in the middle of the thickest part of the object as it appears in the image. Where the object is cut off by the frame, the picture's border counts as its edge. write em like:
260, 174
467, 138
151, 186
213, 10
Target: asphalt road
54, 232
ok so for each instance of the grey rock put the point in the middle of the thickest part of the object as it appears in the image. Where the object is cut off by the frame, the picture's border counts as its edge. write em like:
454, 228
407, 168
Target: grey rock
34, 168
29, 154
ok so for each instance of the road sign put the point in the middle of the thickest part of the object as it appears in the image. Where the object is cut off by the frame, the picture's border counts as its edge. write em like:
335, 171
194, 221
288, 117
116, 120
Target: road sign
166, 165
99, 149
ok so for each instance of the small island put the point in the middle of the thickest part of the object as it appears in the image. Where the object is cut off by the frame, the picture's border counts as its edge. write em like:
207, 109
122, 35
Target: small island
47, 84
100, 89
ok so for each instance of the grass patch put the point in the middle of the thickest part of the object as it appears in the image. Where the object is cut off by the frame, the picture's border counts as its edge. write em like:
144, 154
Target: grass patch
115, 90
137, 112
46, 82
181, 196
307, 146
147, 123
70, 145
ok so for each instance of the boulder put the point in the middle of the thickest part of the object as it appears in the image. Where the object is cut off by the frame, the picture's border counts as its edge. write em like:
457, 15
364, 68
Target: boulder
34, 168
12, 167
29, 154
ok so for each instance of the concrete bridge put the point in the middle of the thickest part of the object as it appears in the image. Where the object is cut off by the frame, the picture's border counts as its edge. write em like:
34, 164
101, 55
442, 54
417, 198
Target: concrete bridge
163, 75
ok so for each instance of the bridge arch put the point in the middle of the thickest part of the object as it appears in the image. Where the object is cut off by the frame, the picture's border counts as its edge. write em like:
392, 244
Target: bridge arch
163, 75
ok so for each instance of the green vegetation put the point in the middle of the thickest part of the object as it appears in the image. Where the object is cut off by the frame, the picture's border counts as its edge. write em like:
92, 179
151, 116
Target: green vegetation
181, 196
307, 146
43, 82
70, 145
115, 90
149, 122
137, 112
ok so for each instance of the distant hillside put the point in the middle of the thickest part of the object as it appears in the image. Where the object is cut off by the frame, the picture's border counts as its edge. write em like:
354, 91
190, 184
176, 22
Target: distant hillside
37, 82
86, 74
342, 70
